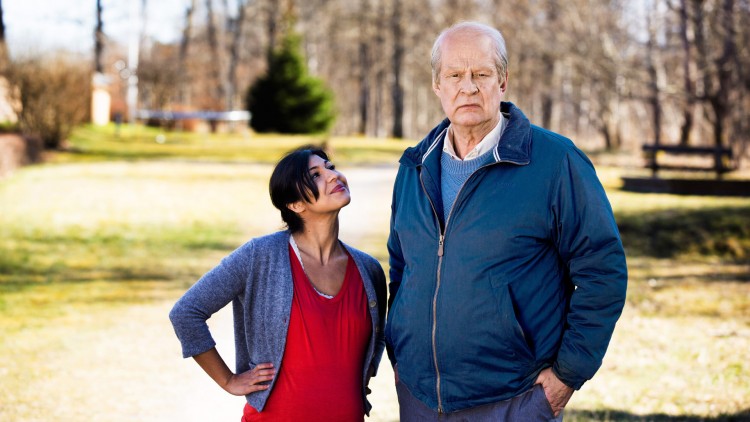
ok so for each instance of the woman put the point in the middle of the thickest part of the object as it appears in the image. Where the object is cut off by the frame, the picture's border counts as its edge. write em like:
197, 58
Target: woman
308, 309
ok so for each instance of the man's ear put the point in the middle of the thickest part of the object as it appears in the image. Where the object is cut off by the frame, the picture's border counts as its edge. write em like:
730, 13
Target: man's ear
504, 85
436, 88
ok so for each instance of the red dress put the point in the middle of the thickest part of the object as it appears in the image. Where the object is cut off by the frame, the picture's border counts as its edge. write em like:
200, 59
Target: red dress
320, 378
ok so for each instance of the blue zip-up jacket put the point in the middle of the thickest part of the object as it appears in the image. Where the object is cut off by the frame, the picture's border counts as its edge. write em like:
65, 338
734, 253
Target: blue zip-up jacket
527, 272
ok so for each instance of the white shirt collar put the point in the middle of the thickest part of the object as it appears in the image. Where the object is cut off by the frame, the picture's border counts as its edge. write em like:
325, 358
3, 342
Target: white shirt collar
487, 143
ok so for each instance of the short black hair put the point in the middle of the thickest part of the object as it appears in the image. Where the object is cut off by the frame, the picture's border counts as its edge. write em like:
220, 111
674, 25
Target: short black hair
291, 182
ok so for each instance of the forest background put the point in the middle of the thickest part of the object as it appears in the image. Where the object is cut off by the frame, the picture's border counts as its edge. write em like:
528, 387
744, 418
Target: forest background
610, 74
98, 242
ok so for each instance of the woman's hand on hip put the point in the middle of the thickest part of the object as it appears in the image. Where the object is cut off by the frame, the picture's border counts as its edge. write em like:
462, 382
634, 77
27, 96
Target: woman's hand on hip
251, 381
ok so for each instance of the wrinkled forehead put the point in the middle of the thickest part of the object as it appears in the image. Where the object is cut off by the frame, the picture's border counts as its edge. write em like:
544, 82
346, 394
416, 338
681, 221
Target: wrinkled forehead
467, 49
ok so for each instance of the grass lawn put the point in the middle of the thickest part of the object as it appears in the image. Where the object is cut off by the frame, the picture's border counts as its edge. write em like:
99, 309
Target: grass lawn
97, 244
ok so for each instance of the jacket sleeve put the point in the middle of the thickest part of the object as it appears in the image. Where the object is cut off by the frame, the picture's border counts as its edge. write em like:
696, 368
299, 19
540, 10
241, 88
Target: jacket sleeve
212, 292
589, 244
395, 257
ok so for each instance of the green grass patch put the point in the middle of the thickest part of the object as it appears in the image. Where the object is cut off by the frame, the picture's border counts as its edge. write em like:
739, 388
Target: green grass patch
711, 231
137, 142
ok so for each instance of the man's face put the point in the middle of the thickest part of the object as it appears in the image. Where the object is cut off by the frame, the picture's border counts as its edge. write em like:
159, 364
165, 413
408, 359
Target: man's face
468, 84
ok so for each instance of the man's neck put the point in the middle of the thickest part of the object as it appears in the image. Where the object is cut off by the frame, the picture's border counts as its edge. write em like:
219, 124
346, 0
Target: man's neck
466, 138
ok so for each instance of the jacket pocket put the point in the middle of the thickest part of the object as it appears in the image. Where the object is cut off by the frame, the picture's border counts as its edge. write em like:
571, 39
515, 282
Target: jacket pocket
391, 316
514, 334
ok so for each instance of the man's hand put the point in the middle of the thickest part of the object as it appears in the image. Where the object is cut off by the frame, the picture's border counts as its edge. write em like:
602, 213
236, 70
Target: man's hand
250, 381
556, 391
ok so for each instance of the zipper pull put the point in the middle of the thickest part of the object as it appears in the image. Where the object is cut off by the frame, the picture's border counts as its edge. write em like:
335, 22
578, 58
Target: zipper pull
440, 245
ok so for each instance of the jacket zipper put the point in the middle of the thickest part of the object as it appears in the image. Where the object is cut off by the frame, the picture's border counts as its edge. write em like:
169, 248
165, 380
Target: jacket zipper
441, 244
434, 297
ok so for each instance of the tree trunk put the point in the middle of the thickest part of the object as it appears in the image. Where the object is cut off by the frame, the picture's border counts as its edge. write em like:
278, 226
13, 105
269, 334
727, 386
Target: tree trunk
364, 65
4, 60
720, 101
687, 123
379, 73
99, 39
235, 28
548, 64
272, 27
183, 72
653, 79
213, 45
397, 91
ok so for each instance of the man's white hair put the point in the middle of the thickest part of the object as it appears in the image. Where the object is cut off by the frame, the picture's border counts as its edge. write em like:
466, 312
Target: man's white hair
498, 43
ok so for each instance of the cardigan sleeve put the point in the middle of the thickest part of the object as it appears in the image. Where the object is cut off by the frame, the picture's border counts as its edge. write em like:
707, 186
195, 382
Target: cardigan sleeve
212, 292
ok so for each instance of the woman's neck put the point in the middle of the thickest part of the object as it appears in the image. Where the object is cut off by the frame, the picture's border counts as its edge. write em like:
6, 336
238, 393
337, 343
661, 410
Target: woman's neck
319, 241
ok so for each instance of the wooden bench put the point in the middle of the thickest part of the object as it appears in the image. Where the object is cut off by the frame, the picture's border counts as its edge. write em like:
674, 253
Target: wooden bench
212, 118
722, 158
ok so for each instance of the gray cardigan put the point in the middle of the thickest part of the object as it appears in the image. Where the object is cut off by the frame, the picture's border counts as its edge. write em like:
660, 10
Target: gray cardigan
257, 279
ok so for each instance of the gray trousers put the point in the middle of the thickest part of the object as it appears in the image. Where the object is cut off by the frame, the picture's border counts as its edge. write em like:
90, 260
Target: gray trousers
529, 406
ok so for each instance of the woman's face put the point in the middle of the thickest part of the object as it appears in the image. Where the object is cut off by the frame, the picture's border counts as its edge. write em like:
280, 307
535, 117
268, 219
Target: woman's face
333, 189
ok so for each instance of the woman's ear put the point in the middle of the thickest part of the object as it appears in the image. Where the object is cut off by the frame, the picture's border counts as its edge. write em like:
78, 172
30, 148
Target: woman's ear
296, 207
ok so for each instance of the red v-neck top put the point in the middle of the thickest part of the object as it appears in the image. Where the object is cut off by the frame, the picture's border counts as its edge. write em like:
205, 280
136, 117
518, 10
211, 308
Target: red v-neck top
320, 378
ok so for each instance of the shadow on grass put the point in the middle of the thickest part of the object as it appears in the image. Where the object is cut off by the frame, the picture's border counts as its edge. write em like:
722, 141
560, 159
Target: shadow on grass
618, 415
722, 232
30, 260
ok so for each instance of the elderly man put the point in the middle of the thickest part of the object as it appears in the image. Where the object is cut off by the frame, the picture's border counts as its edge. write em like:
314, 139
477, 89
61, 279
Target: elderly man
507, 270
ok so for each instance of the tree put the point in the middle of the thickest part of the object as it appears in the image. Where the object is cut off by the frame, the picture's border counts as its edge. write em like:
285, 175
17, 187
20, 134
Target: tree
397, 91
287, 99
3, 45
52, 97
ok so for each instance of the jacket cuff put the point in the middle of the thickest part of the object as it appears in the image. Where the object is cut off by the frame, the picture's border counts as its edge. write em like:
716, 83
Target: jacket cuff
568, 377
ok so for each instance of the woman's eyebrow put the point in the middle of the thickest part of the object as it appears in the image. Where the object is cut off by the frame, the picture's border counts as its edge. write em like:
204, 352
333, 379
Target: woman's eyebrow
325, 163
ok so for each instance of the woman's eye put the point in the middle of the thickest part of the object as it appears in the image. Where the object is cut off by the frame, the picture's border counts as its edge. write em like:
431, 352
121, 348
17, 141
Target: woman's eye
314, 175
331, 167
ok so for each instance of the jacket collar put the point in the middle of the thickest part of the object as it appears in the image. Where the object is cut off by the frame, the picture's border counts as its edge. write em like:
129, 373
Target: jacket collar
514, 146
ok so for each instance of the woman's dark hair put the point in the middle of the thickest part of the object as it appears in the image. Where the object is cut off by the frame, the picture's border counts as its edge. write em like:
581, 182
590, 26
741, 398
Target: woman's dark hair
291, 182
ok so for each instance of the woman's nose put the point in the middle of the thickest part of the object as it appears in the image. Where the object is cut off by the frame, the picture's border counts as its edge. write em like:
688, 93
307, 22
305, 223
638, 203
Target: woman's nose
331, 175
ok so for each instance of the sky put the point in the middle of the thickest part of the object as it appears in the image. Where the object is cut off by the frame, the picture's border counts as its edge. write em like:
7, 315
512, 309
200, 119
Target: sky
37, 26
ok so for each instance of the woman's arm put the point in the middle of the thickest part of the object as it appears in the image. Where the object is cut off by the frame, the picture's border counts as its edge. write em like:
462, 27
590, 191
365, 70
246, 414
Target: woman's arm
240, 384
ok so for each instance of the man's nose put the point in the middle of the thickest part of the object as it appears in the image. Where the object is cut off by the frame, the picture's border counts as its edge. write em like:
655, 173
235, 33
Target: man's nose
468, 84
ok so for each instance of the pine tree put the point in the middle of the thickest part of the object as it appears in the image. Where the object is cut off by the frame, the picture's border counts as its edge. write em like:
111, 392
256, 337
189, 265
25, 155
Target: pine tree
287, 99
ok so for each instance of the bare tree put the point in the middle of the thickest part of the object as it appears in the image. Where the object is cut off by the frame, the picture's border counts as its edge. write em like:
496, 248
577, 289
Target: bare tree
272, 21
99, 40
234, 27
183, 78
364, 64
688, 85
215, 52
397, 91
3, 44
653, 76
